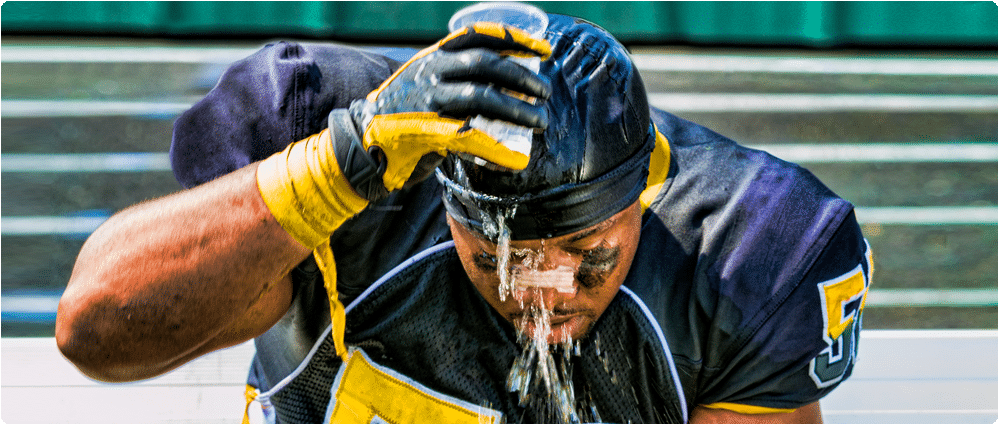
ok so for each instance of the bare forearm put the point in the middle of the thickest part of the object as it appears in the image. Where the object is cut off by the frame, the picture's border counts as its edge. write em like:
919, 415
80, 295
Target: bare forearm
165, 280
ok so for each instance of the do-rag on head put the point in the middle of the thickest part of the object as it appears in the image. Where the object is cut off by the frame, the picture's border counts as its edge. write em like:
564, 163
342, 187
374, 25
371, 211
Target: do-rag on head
590, 163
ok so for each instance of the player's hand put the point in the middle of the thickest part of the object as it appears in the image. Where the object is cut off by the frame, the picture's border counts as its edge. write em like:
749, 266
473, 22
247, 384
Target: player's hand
421, 112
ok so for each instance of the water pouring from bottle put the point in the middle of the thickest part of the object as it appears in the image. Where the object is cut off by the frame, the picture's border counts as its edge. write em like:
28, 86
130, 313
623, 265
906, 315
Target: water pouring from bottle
542, 374
527, 18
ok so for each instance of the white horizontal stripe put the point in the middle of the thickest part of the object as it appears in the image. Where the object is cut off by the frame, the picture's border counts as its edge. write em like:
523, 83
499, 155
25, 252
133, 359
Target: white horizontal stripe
929, 334
64, 54
927, 215
48, 225
814, 65
56, 225
931, 297
85, 162
89, 108
47, 303
30, 304
649, 62
673, 102
769, 102
883, 152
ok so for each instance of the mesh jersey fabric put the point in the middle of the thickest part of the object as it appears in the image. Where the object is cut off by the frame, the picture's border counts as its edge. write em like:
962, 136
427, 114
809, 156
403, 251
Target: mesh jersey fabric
428, 322
732, 247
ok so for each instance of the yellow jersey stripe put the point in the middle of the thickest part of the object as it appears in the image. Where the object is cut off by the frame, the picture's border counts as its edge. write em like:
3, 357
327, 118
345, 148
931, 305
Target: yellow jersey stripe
746, 409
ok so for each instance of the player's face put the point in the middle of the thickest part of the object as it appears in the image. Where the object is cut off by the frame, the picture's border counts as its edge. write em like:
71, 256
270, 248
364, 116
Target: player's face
599, 258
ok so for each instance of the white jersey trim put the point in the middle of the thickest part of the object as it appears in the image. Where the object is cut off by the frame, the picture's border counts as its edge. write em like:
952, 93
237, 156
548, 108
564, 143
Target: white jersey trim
266, 396
666, 350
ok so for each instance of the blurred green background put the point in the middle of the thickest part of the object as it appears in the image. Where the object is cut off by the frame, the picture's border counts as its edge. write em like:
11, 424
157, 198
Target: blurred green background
813, 24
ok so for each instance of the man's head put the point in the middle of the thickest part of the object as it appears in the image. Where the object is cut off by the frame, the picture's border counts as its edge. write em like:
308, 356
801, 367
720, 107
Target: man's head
574, 208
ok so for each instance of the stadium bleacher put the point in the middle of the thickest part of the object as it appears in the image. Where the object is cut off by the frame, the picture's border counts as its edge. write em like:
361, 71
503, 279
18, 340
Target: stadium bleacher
910, 140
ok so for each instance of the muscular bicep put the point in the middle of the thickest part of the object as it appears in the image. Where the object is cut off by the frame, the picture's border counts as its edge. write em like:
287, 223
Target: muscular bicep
808, 414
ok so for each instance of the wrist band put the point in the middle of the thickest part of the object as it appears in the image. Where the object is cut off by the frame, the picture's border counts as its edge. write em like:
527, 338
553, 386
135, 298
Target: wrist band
309, 195
306, 191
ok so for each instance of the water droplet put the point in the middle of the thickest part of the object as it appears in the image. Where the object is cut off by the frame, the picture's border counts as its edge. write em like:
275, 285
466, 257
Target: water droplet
594, 416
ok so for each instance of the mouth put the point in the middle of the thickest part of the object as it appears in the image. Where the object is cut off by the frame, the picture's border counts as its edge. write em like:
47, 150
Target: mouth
559, 319
563, 326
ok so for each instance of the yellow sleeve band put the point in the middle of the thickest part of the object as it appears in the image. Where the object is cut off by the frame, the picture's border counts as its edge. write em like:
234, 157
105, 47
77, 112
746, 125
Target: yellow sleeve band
306, 191
747, 409
310, 197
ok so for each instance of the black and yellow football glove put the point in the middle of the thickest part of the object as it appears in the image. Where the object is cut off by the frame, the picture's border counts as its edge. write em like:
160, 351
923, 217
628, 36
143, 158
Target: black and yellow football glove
402, 130
421, 112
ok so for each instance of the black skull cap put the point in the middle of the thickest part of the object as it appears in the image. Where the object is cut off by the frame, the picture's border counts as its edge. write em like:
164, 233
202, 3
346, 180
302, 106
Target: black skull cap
598, 122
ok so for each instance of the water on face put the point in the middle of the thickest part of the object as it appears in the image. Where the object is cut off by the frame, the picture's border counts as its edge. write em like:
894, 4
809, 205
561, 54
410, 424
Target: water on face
542, 373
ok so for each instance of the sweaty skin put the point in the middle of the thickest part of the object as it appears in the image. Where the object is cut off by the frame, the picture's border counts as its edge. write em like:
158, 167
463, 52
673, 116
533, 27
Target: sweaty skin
168, 280
594, 269
600, 255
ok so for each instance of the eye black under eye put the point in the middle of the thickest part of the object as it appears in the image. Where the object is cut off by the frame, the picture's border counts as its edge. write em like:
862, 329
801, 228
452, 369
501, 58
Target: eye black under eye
485, 261
601, 257
597, 265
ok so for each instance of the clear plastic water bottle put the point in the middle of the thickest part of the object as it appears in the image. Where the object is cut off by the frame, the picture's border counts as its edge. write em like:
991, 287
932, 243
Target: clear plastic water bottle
527, 18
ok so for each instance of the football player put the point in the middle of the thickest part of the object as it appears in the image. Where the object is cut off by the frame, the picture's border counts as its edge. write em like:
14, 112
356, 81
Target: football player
343, 213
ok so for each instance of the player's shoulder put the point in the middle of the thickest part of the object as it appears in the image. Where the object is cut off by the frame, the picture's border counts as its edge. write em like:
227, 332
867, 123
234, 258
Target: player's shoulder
724, 167
776, 256
716, 182
751, 226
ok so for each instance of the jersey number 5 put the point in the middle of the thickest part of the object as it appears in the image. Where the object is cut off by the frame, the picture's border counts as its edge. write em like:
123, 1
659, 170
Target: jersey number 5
843, 301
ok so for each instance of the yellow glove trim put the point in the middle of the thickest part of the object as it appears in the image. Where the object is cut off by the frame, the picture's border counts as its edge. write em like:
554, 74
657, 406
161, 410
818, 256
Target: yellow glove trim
306, 191
427, 132
542, 47
746, 409
659, 167
426, 51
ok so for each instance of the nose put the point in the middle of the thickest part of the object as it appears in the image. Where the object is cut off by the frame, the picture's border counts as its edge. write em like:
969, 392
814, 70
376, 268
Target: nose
546, 286
546, 275
547, 298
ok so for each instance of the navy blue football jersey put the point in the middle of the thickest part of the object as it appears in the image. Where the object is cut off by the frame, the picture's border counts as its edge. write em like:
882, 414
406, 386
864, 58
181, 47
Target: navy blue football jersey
749, 269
